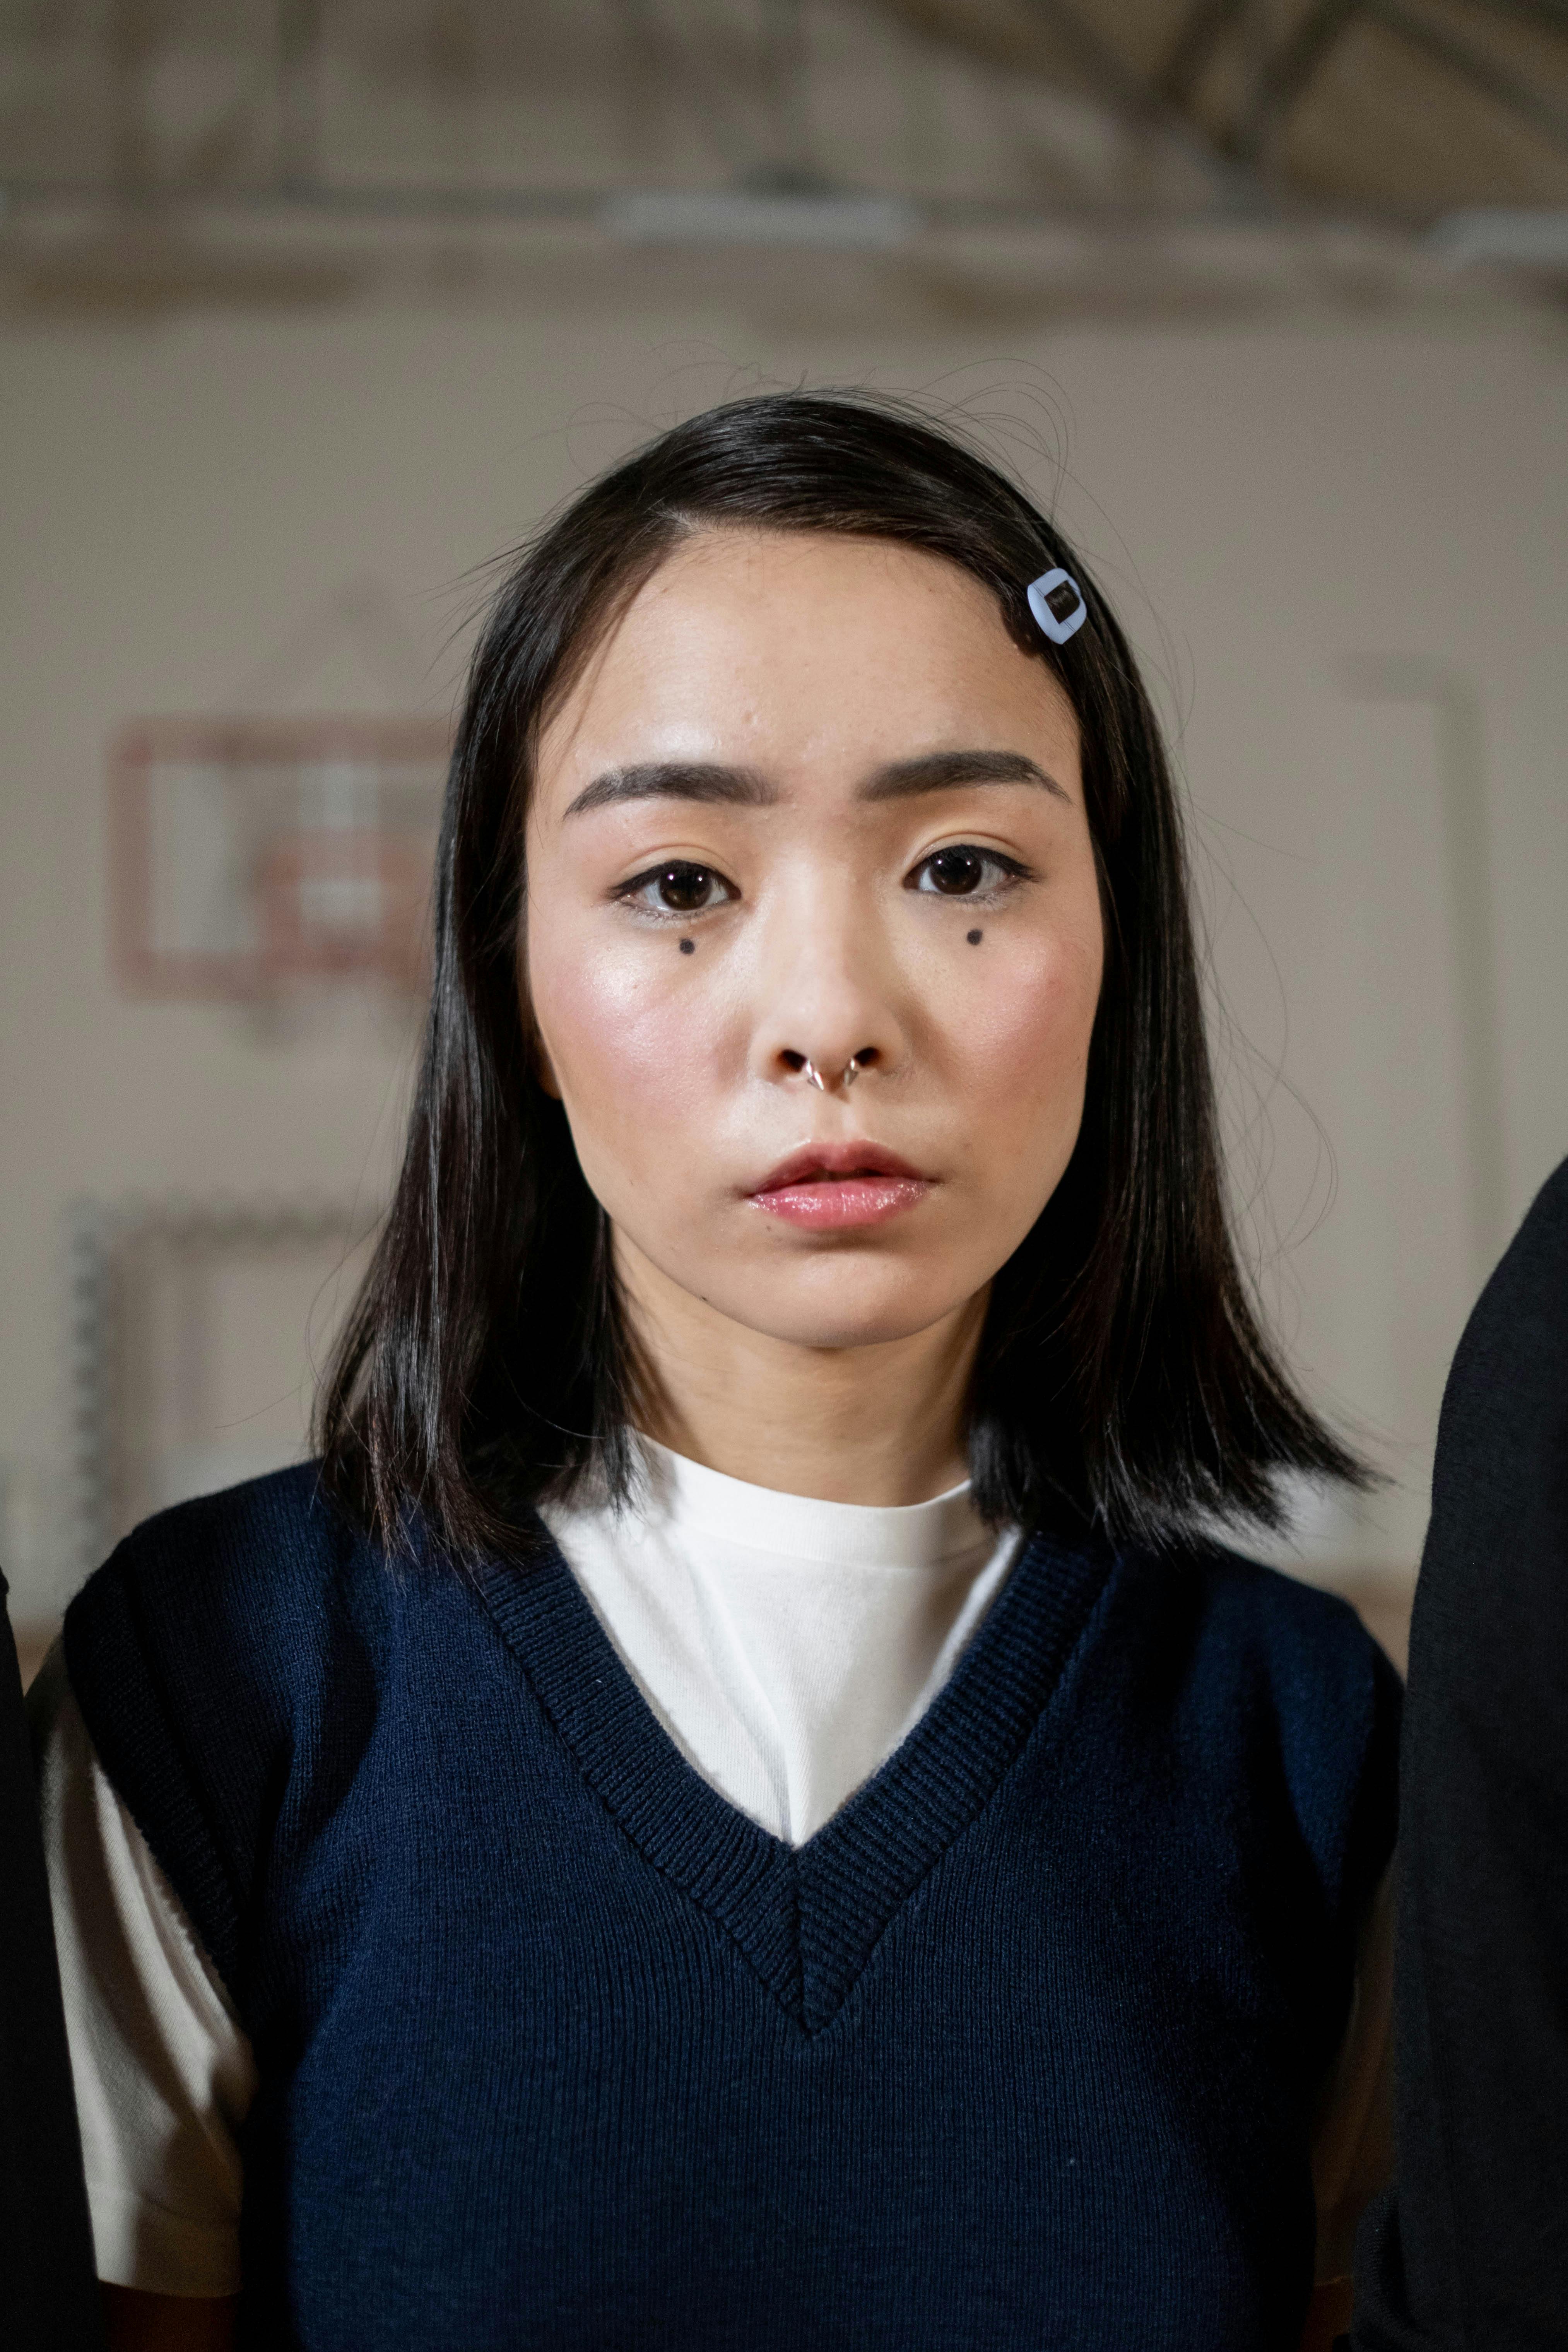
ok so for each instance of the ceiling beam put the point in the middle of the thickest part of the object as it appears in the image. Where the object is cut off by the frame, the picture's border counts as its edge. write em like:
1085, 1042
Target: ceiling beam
1548, 16
135, 30
1145, 109
1205, 26
786, 72
298, 52
1285, 77
1483, 73
683, 71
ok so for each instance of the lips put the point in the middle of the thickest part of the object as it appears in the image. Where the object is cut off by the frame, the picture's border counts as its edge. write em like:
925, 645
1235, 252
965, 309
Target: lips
831, 1187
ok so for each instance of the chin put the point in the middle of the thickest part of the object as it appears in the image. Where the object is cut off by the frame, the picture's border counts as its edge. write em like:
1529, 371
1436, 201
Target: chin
846, 1313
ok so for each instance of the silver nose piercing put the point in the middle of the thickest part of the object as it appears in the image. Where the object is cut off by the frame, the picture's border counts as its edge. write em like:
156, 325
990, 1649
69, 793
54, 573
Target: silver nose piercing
848, 1075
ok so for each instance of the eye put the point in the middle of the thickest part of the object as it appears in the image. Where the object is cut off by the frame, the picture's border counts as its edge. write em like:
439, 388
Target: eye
678, 888
964, 871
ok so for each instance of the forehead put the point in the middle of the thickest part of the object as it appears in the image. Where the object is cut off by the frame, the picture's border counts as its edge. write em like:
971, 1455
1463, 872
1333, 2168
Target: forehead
777, 645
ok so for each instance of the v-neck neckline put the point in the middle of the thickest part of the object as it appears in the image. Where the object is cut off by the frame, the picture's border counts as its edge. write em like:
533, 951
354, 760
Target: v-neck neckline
806, 1917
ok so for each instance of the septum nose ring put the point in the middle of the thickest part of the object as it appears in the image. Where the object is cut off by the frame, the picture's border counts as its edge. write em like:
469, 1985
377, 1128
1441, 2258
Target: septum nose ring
847, 1077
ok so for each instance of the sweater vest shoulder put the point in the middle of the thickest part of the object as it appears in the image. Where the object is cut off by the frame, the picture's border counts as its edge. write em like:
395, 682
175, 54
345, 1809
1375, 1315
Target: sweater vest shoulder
557, 2049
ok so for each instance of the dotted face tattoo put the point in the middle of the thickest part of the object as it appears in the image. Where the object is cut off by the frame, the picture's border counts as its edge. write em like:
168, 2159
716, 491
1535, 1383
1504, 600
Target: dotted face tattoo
689, 947
974, 938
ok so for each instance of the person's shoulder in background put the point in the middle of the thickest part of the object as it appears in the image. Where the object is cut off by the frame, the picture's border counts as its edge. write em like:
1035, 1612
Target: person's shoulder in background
1470, 2246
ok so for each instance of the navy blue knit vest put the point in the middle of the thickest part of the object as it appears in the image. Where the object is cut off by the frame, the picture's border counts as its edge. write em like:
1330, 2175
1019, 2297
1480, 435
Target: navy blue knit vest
558, 2051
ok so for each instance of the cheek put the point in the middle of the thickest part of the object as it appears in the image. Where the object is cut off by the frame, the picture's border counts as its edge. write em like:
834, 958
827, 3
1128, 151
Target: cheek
1026, 1036
630, 1042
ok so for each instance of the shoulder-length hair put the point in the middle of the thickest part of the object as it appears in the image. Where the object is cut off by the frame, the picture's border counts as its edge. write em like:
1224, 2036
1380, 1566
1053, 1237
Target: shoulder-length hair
1122, 1381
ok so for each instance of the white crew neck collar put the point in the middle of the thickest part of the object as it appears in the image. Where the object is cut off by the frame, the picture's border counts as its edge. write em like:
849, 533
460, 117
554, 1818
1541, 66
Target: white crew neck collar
689, 1496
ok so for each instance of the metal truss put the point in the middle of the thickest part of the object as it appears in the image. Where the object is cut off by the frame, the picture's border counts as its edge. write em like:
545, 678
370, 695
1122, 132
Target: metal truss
1278, 68
733, 84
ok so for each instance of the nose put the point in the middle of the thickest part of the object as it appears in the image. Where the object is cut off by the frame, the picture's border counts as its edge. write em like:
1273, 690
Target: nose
828, 993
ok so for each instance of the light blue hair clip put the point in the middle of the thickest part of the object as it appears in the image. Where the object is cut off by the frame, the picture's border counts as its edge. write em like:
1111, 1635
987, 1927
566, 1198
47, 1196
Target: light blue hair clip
1057, 602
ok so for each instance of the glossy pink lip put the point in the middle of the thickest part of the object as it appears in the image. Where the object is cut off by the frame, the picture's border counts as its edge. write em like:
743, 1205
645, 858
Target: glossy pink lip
828, 1187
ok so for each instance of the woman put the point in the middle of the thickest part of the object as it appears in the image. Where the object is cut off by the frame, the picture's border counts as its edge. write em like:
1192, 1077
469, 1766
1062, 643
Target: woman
735, 1806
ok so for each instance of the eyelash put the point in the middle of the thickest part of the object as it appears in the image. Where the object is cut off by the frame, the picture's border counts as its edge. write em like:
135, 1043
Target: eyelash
1011, 871
628, 893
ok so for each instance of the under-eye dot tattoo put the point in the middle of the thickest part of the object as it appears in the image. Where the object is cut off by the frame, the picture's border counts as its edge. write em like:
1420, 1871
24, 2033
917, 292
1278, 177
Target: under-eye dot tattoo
689, 947
974, 938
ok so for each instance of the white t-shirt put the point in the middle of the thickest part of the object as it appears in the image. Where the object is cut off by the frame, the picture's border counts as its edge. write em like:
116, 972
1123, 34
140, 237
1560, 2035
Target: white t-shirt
786, 1645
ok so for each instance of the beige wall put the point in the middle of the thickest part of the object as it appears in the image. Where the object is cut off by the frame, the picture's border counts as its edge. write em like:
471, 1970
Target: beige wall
176, 501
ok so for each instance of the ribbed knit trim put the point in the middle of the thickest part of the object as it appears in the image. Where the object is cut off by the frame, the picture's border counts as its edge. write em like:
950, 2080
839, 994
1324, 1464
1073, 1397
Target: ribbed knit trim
806, 1918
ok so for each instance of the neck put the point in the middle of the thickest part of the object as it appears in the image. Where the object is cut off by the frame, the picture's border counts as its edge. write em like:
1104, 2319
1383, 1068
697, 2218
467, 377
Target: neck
880, 1424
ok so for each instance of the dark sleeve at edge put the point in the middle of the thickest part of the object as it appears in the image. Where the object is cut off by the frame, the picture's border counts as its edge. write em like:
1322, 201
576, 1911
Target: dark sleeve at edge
1469, 2250
48, 2291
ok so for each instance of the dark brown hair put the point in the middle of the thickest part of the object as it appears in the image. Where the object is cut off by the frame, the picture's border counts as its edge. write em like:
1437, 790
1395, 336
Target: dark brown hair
1122, 1381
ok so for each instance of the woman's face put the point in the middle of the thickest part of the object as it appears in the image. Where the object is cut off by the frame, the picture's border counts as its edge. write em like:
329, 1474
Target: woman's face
808, 805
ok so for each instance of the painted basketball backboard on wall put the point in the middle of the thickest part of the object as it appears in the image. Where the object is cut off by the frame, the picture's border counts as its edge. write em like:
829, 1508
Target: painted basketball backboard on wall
250, 856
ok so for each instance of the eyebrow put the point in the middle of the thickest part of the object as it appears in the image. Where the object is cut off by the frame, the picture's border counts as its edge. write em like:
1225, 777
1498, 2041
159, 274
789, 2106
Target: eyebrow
705, 780
676, 780
937, 771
